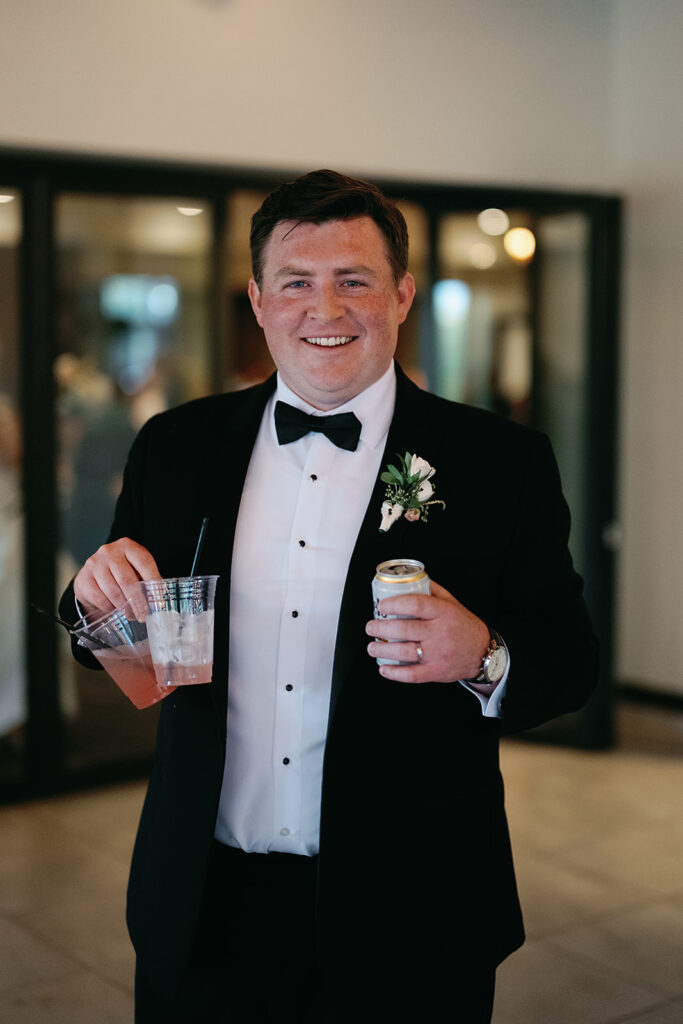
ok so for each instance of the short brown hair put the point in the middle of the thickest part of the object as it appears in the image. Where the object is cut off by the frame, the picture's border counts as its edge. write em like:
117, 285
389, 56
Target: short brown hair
324, 195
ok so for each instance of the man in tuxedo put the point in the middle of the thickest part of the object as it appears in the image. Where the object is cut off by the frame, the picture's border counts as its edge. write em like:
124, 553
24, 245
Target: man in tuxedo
324, 840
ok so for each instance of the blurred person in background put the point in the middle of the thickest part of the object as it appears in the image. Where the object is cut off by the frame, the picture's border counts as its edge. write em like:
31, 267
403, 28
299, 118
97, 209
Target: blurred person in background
13, 707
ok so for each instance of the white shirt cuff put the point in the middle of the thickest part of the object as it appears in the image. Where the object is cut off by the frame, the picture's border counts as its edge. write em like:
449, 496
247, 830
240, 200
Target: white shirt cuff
491, 705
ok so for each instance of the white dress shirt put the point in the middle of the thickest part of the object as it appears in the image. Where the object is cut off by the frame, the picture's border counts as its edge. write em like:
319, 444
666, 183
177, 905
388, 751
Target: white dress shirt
302, 507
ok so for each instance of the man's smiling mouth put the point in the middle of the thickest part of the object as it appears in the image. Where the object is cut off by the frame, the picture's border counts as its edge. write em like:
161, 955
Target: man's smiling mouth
340, 339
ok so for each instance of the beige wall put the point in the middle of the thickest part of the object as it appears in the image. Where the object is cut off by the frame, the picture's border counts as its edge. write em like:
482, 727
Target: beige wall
564, 93
648, 169
445, 88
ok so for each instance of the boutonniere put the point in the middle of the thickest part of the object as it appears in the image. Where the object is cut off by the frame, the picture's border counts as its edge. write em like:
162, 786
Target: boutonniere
409, 490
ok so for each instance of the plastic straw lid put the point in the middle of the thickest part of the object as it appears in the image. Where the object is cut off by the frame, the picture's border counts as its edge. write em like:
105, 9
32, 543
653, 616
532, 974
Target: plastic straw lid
200, 544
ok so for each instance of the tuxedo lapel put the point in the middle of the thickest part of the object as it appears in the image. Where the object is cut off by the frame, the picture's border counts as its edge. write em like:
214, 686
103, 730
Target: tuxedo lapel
372, 547
225, 457
231, 434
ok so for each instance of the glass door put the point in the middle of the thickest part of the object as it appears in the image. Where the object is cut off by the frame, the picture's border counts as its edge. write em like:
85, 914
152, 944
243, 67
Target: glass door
515, 328
561, 379
133, 277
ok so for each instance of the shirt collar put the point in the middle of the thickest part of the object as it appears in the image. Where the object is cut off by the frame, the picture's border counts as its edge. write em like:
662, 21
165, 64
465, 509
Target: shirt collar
374, 407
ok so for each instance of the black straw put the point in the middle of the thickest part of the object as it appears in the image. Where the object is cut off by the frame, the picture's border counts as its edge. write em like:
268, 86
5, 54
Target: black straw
55, 618
200, 544
69, 627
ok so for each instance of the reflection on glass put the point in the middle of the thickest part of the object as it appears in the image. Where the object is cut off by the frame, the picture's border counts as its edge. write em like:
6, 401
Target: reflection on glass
562, 318
487, 359
451, 303
13, 704
513, 343
134, 278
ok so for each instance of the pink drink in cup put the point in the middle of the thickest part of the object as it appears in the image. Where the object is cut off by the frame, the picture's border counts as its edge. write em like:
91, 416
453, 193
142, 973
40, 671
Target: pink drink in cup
134, 674
180, 617
120, 644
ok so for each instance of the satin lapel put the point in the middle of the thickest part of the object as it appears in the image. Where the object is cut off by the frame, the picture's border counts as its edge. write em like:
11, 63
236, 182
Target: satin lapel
225, 459
373, 547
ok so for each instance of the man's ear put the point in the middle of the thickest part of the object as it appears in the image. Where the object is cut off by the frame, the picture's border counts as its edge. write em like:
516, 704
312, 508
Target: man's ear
255, 299
406, 294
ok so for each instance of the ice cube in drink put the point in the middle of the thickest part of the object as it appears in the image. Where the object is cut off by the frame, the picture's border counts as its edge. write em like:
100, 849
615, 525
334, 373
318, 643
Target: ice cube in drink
181, 644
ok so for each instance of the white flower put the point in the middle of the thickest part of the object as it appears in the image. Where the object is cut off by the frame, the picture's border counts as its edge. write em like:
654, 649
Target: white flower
421, 466
425, 490
390, 513
408, 490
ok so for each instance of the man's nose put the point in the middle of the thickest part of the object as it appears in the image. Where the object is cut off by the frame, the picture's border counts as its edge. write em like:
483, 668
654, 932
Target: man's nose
326, 304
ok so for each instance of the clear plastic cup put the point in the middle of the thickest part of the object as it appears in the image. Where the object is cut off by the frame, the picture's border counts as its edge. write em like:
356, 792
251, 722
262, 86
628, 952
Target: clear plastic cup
119, 642
180, 615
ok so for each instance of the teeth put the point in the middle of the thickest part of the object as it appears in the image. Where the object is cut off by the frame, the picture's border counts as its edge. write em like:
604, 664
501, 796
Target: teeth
342, 339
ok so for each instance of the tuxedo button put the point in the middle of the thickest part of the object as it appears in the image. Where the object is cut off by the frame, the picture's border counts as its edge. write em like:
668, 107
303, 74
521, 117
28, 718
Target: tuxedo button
289, 687
284, 831
285, 760
314, 476
295, 614
302, 543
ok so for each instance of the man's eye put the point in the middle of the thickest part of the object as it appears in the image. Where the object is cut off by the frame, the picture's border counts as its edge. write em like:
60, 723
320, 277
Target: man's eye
354, 284
295, 284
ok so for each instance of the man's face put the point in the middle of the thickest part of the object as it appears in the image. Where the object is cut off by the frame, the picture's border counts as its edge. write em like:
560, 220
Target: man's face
329, 307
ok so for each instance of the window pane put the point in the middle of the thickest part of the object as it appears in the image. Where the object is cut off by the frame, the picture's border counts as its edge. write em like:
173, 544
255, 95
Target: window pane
13, 705
482, 309
562, 390
134, 314
511, 329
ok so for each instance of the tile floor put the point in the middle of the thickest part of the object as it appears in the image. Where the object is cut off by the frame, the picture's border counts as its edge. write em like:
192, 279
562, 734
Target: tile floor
598, 840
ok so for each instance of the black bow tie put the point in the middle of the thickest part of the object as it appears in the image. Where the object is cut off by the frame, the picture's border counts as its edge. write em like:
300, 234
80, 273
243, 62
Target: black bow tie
343, 429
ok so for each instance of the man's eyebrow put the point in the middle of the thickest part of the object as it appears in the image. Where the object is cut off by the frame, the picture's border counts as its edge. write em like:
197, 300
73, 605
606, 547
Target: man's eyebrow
360, 269
339, 272
292, 272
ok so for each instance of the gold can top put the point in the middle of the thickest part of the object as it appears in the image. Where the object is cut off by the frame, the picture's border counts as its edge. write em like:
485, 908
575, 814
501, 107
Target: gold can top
400, 570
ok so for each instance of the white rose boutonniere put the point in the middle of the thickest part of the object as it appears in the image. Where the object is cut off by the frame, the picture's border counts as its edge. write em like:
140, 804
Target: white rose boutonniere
409, 490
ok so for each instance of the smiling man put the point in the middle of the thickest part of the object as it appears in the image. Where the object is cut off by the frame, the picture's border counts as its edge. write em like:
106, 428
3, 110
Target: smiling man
323, 839
330, 307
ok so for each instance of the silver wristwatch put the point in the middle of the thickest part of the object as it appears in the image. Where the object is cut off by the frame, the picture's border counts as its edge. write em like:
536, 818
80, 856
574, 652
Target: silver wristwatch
495, 662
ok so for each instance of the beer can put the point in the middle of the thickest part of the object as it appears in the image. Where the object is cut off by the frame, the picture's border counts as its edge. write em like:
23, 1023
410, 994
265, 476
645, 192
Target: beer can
397, 576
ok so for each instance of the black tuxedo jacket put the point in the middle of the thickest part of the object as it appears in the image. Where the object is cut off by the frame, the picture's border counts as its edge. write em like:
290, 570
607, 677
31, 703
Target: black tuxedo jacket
415, 865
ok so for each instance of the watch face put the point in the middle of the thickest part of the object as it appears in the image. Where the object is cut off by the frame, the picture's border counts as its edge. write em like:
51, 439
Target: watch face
496, 664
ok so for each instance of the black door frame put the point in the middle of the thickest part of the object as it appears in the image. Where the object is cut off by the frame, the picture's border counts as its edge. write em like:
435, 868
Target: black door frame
41, 176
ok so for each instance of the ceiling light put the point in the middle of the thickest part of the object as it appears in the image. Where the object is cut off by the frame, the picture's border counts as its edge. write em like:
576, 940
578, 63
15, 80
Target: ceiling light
493, 221
189, 211
520, 243
6, 199
482, 255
